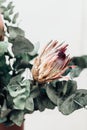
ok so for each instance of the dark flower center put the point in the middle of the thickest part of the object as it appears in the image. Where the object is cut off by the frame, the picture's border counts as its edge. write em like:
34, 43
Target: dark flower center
62, 55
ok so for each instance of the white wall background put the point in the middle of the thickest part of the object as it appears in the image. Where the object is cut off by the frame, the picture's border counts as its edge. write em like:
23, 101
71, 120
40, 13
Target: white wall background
64, 20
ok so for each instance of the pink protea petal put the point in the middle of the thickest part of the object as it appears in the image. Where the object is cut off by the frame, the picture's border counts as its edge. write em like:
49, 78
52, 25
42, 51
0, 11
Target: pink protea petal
43, 51
56, 76
52, 45
35, 68
67, 60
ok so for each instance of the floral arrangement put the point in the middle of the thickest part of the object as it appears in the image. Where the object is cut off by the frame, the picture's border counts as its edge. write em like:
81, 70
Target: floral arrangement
27, 86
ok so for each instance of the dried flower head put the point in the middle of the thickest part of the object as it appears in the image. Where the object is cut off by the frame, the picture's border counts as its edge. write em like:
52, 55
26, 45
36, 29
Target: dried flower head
51, 63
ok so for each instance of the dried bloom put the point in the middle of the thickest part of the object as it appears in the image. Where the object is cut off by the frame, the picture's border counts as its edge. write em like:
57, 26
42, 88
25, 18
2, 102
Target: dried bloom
51, 63
1, 29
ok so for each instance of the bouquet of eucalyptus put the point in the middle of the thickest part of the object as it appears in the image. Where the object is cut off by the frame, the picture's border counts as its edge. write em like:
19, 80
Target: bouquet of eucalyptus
30, 81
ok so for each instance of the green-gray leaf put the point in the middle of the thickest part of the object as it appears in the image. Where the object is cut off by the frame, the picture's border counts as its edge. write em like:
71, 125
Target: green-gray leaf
51, 93
2, 1
47, 103
75, 72
69, 87
21, 45
39, 105
29, 104
68, 106
16, 92
19, 102
81, 97
17, 117
80, 61
15, 18
4, 110
3, 47
2, 9
14, 32
9, 5
6, 16
2, 120
36, 48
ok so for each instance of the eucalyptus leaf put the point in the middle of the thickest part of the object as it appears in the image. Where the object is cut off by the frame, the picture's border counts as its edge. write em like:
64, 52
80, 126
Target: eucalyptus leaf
22, 64
73, 102
60, 100
4, 110
27, 75
9, 5
29, 104
2, 9
81, 97
38, 104
14, 86
69, 87
11, 11
35, 93
52, 94
2, 120
4, 72
35, 50
10, 8
80, 61
17, 117
17, 86
15, 80
9, 101
47, 103
17, 92
3, 47
14, 32
21, 45
68, 106
26, 84
19, 102
75, 72
6, 16
4, 113
23, 61
2, 1
65, 88
15, 18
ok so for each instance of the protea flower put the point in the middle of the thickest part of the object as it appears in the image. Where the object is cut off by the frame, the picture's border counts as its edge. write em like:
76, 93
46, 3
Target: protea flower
51, 63
1, 29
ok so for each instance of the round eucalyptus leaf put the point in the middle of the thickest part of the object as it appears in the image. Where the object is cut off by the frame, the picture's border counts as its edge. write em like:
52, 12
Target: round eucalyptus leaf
21, 45
68, 106
29, 104
19, 102
3, 47
14, 32
51, 93
17, 116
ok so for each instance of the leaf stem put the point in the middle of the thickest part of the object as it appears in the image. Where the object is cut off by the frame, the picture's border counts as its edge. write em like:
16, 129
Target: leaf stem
80, 104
